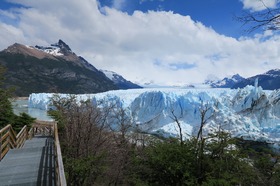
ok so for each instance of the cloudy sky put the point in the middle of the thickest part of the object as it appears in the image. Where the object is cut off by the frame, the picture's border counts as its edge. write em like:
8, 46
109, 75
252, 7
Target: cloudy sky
168, 42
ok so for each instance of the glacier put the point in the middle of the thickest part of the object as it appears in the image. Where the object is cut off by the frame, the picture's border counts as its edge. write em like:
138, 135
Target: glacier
250, 113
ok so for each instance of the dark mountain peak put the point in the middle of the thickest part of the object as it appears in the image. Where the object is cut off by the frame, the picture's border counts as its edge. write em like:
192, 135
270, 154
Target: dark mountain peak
62, 50
54, 68
47, 69
59, 49
63, 46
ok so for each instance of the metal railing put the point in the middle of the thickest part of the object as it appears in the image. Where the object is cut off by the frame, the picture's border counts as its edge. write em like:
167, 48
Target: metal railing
10, 140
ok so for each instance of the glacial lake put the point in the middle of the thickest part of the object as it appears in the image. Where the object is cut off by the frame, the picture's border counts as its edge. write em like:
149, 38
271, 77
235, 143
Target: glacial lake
20, 106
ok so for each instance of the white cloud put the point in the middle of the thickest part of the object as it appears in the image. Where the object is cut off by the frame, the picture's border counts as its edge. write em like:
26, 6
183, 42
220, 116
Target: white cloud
118, 4
142, 46
7, 14
258, 5
10, 34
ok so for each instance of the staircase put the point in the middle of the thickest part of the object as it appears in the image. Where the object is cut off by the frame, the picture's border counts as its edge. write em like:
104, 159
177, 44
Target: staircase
37, 162
31, 165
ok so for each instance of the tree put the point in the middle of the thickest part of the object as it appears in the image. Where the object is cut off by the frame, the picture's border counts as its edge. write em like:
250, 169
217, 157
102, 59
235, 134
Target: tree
204, 159
6, 110
263, 158
98, 149
167, 162
21, 120
205, 115
94, 139
176, 119
120, 125
7, 115
83, 138
267, 19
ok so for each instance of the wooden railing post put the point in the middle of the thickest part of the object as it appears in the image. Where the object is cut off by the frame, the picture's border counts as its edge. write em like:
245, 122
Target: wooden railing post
26, 134
0, 146
9, 139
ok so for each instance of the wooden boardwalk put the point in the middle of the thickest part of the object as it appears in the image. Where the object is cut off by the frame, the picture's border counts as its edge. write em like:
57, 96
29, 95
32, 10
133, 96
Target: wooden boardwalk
34, 164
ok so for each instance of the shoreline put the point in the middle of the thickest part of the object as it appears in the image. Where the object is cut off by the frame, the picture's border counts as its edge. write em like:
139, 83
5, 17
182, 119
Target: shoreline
20, 98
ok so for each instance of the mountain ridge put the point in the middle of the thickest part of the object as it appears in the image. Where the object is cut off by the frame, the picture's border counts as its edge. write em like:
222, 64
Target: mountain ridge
121, 82
226, 82
17, 48
269, 80
55, 68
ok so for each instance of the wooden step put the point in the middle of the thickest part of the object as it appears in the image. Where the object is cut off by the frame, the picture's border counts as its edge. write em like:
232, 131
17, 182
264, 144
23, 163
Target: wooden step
31, 165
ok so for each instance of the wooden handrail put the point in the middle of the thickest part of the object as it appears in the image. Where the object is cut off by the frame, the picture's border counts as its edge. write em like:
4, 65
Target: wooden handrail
21, 137
9, 139
5, 128
61, 180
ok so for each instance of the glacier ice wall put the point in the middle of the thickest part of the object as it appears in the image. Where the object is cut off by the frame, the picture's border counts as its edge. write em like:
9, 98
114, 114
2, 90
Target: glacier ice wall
250, 112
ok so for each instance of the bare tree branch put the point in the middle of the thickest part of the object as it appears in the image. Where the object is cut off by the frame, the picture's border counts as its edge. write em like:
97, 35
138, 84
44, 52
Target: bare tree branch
268, 19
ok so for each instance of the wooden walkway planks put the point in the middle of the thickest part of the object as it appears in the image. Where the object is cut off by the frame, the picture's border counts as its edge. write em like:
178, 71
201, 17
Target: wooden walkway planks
34, 164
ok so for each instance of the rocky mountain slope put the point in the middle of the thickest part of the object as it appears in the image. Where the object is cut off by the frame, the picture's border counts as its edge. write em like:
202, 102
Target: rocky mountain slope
269, 80
227, 82
119, 81
51, 69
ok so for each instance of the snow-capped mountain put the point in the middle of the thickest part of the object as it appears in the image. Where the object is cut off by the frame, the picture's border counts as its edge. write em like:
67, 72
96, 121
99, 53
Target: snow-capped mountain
50, 50
269, 80
227, 82
62, 50
273, 73
251, 112
50, 69
119, 80
54, 68
57, 49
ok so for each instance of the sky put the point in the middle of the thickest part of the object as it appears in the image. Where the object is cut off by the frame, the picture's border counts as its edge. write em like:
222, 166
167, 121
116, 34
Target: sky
164, 42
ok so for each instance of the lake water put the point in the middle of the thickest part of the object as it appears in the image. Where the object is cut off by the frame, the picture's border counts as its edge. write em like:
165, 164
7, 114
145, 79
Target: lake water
21, 106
